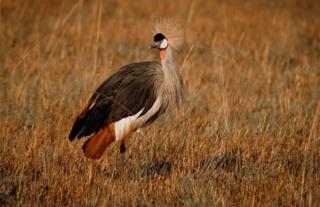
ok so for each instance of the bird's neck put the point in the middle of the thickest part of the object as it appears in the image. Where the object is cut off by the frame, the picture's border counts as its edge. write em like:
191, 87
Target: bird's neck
172, 90
167, 60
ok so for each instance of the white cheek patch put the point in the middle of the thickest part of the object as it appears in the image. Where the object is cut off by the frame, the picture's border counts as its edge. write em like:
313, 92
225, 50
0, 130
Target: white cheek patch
164, 44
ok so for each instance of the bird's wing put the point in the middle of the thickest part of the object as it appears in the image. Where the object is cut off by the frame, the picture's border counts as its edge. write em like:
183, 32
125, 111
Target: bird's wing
124, 94
137, 92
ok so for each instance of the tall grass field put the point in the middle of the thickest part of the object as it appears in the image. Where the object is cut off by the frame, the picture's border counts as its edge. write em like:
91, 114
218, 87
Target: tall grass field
246, 134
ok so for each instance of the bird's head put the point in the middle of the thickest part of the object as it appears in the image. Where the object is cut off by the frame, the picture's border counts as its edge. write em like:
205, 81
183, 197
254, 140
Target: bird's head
160, 42
168, 34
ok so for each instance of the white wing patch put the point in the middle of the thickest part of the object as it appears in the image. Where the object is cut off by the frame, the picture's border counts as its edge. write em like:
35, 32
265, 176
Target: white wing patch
152, 111
125, 126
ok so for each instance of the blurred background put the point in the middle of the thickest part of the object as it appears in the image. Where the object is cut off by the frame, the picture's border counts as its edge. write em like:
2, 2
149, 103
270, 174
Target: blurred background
246, 134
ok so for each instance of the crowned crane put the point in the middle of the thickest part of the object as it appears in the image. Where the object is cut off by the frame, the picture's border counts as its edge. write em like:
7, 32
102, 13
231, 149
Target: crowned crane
133, 97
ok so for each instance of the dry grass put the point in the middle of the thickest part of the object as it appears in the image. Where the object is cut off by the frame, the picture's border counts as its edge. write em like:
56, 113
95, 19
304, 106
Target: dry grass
246, 135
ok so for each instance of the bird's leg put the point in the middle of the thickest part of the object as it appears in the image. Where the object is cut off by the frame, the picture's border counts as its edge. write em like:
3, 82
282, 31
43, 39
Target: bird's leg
122, 147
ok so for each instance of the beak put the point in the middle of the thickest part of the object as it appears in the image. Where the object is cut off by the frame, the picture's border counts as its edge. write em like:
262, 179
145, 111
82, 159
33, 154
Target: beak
155, 45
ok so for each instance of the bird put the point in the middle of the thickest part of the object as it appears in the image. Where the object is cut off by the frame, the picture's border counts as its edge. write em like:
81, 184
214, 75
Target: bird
133, 97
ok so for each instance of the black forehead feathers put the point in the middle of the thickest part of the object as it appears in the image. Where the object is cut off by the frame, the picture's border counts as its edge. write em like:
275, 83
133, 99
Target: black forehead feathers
158, 37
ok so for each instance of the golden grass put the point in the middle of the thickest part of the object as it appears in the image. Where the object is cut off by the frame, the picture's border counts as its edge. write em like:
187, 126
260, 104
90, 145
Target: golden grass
247, 133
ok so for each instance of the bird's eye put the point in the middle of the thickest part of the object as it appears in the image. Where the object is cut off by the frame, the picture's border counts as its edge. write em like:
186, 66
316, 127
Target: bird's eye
164, 44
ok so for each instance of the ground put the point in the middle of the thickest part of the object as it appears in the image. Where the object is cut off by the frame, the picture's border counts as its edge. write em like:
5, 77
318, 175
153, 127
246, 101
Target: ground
246, 134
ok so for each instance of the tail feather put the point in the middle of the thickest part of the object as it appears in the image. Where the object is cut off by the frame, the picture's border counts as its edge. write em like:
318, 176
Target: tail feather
95, 146
79, 128
78, 124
